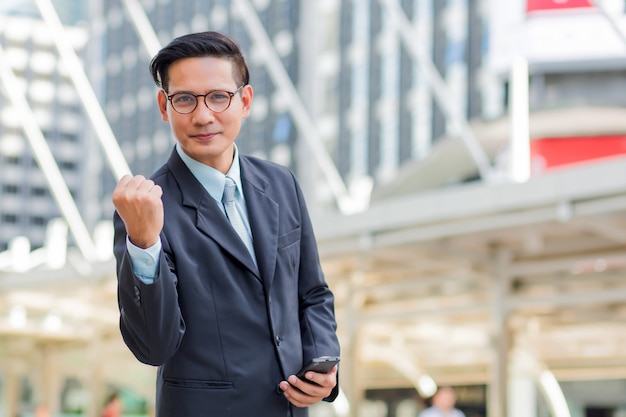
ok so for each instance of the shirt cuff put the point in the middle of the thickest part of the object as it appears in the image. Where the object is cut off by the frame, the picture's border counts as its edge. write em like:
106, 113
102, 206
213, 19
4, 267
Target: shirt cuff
145, 262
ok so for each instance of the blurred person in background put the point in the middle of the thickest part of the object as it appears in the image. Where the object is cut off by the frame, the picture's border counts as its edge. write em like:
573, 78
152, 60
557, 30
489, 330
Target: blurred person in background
113, 406
41, 411
228, 316
442, 404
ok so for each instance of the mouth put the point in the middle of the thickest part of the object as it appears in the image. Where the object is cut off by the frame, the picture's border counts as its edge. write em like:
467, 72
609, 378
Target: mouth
205, 136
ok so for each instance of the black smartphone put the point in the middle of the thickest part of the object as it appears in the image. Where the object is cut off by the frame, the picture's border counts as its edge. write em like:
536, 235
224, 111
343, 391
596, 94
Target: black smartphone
322, 364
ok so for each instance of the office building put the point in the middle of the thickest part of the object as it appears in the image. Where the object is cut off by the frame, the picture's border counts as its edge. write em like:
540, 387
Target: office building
27, 204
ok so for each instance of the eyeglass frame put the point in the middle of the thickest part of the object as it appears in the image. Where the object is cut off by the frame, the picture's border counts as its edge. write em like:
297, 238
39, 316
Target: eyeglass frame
230, 94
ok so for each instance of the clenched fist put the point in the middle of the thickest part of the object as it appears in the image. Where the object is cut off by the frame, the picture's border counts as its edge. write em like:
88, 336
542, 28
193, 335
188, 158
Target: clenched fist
138, 202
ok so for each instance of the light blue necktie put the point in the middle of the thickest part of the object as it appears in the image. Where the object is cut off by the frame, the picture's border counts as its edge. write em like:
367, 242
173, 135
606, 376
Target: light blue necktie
228, 199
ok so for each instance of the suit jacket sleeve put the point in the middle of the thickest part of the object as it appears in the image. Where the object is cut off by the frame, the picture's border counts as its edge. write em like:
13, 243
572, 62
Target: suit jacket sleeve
317, 316
150, 319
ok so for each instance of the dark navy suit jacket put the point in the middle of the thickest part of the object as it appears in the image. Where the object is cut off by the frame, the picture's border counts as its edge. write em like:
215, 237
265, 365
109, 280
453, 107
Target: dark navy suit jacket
222, 331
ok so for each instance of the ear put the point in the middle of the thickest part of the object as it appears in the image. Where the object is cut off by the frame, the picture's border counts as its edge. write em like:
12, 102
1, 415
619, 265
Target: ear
162, 100
247, 93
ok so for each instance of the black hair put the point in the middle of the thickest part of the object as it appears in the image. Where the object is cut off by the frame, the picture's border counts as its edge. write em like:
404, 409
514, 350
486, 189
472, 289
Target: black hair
203, 44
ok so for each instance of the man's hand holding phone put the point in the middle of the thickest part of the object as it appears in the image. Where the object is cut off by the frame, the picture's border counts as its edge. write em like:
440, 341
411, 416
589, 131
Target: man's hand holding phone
314, 382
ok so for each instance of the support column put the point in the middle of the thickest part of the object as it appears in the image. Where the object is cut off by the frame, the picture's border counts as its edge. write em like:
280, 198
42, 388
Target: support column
500, 337
351, 353
522, 397
94, 383
522, 392
51, 387
9, 405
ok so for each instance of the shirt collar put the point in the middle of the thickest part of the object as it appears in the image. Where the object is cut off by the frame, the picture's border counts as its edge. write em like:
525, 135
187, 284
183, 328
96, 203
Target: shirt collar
211, 179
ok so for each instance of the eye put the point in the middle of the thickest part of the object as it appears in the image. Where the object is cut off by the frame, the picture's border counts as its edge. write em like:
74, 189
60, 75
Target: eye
219, 96
183, 98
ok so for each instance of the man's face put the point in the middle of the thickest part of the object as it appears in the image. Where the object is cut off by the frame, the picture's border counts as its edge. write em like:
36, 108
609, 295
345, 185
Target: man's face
204, 135
445, 398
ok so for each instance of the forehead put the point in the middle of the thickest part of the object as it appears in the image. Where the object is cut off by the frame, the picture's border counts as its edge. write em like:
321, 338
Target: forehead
445, 393
201, 73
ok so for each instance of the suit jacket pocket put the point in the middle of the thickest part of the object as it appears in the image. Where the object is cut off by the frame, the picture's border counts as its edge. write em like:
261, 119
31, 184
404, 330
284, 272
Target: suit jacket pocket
195, 398
288, 238
197, 384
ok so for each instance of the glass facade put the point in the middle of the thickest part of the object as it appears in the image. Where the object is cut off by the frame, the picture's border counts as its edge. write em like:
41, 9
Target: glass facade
387, 115
27, 203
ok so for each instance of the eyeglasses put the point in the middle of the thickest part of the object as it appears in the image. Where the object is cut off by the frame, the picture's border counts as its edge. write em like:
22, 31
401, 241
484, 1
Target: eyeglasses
217, 100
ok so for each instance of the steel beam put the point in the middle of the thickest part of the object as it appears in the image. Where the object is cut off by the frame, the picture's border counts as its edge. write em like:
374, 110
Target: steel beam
438, 86
142, 26
303, 120
94, 111
44, 157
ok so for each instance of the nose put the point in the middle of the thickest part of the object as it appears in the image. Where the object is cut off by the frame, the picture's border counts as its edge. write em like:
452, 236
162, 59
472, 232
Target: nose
202, 114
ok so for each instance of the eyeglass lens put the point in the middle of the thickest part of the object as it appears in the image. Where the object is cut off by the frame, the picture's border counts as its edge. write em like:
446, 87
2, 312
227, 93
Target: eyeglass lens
216, 101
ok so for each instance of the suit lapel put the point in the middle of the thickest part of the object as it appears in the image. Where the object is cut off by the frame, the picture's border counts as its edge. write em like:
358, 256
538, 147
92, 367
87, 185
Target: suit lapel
210, 219
263, 214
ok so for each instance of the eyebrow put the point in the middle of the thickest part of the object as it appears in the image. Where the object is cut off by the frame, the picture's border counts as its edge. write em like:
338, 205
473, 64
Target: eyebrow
208, 92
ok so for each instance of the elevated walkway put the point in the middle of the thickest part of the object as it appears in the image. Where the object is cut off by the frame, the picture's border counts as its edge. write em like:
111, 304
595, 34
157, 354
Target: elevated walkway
467, 284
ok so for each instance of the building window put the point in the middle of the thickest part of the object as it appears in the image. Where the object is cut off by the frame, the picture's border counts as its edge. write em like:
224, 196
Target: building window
69, 137
10, 189
68, 165
38, 191
9, 218
12, 160
37, 221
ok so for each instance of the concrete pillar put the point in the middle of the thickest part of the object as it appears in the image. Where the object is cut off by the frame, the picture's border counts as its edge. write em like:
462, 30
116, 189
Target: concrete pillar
522, 390
522, 397
350, 376
497, 388
44, 372
95, 381
52, 379
9, 406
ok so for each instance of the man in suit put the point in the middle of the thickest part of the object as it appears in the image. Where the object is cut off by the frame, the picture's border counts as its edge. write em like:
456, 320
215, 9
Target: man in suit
227, 325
